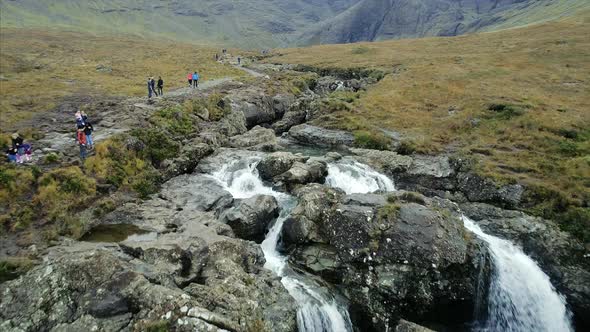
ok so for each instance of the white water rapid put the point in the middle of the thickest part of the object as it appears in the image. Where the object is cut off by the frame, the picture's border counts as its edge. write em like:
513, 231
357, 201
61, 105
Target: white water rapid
318, 309
354, 177
521, 297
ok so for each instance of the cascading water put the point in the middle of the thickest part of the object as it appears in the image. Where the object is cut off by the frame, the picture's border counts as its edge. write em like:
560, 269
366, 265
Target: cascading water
354, 177
318, 309
521, 297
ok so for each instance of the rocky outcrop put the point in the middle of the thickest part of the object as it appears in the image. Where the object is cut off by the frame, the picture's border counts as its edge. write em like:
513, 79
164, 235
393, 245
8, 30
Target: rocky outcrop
561, 256
84, 286
402, 255
311, 135
277, 163
250, 217
314, 170
257, 106
187, 160
257, 138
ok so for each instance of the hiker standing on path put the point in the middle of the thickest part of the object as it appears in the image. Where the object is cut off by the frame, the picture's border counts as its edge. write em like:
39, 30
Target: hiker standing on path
153, 86
149, 86
239, 61
189, 77
196, 80
160, 86
88, 129
81, 138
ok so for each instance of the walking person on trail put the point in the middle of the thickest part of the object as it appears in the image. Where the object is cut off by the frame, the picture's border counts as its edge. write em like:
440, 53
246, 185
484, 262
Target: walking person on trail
88, 129
196, 79
149, 86
239, 61
190, 79
160, 86
153, 85
17, 143
81, 138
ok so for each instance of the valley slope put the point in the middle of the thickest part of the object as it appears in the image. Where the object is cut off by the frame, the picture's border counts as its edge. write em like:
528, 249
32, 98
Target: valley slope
281, 23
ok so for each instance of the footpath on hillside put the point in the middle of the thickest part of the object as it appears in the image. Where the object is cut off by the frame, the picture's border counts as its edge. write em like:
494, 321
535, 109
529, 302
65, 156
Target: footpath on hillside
125, 116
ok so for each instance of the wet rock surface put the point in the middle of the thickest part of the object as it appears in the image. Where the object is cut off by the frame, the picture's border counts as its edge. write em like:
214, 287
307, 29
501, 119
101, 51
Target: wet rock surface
250, 217
390, 259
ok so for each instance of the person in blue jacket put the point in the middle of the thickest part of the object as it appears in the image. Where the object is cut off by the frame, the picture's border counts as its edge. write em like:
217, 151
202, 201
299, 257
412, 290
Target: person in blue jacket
196, 79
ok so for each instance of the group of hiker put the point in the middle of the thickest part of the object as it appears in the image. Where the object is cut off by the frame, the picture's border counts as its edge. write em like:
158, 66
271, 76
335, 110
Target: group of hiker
193, 79
84, 131
19, 151
154, 89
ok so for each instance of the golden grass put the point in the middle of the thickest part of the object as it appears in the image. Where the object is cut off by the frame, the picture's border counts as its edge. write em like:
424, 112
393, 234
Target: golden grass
39, 67
438, 90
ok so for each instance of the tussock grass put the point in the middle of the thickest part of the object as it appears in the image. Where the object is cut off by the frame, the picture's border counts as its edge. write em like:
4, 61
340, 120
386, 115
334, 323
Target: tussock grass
517, 100
39, 67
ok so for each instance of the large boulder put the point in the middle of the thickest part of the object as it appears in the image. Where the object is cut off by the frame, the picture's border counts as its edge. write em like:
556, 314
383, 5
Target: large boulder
314, 170
250, 217
312, 135
277, 163
400, 255
256, 137
186, 161
388, 162
562, 257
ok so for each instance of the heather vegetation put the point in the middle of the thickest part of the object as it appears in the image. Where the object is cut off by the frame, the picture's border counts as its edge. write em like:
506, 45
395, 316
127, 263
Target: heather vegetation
515, 100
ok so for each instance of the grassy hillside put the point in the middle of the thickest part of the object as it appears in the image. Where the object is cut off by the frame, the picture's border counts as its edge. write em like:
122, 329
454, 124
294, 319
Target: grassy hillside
517, 100
40, 67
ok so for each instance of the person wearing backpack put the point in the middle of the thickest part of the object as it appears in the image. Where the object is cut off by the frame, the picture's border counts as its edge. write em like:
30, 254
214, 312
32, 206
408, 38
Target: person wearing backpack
81, 138
196, 79
88, 129
160, 86
17, 143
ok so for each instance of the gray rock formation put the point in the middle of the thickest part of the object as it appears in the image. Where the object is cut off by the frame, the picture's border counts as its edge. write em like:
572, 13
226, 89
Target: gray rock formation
311, 135
398, 256
313, 170
256, 138
277, 163
250, 217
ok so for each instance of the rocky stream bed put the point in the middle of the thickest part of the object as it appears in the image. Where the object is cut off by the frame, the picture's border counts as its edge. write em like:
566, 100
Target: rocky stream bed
267, 223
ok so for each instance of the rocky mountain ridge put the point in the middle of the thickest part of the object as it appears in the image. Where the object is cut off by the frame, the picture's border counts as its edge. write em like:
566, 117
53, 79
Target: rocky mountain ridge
257, 24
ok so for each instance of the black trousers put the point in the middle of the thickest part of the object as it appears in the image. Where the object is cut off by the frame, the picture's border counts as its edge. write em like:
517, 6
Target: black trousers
160, 91
196, 83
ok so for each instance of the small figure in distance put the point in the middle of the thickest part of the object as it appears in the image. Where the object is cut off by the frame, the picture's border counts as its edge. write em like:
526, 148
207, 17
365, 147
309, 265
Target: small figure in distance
153, 86
196, 79
160, 86
149, 86
17, 143
81, 138
190, 79
239, 61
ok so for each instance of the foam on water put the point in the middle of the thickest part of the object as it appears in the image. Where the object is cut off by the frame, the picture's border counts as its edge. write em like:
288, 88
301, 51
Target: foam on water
354, 177
521, 297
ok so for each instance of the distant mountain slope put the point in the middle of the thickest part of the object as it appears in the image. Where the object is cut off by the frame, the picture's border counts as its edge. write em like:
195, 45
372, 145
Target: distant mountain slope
243, 23
266, 23
371, 20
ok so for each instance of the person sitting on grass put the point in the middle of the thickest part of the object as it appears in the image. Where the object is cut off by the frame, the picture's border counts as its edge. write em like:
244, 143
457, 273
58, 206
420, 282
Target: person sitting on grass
11, 153
28, 152
17, 143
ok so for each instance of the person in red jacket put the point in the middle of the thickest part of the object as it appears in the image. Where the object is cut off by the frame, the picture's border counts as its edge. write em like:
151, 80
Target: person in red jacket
81, 138
189, 77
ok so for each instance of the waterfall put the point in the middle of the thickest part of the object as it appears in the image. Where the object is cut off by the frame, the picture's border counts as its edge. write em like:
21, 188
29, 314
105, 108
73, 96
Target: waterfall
318, 310
521, 297
354, 177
